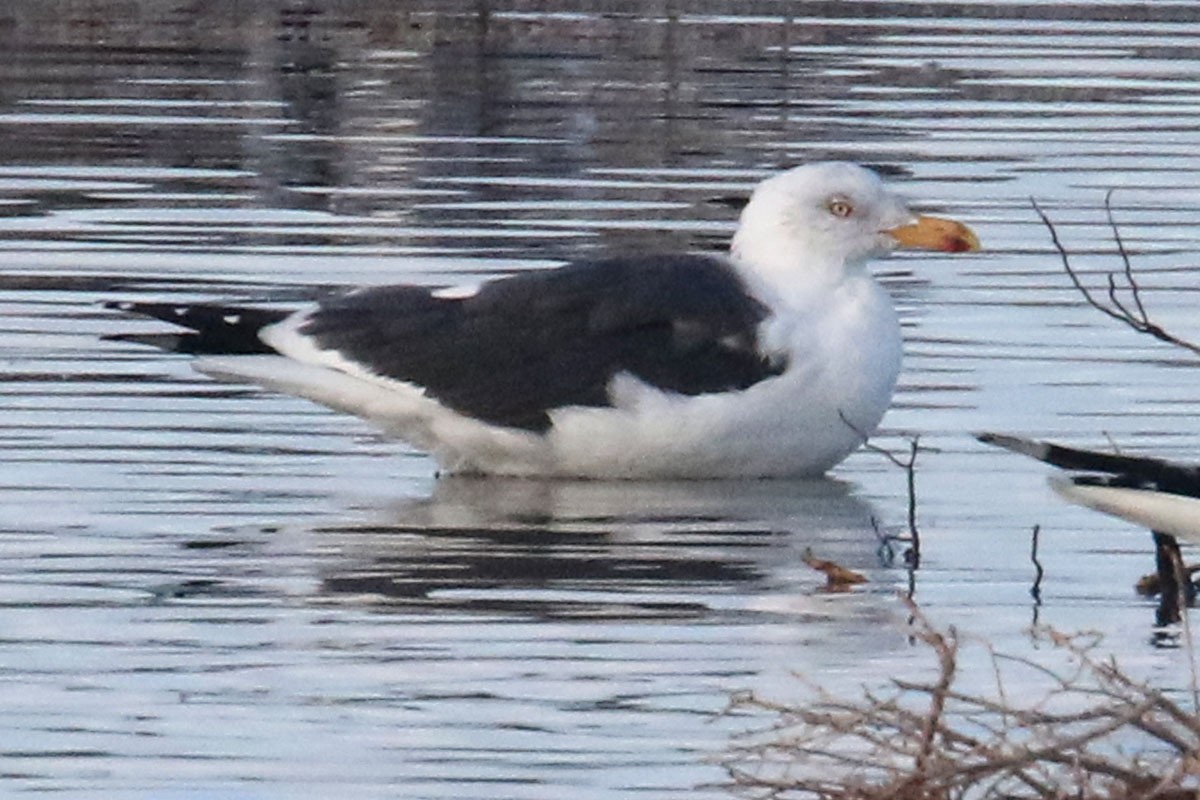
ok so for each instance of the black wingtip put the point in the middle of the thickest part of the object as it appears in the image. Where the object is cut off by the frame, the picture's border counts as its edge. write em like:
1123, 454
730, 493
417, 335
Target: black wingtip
1016, 444
212, 329
1070, 458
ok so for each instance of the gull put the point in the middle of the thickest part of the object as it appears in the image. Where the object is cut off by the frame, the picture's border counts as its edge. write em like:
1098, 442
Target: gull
774, 361
1161, 495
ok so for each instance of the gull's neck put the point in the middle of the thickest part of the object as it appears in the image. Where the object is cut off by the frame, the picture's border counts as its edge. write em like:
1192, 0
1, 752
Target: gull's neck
793, 272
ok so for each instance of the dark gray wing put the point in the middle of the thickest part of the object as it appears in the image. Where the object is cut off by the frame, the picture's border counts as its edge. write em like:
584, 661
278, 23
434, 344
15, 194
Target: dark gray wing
541, 340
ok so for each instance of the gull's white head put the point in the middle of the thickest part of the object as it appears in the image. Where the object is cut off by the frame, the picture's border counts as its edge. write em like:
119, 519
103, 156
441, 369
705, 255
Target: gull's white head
820, 222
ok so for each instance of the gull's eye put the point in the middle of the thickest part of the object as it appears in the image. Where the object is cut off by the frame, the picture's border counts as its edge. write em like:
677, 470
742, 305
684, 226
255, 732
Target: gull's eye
840, 208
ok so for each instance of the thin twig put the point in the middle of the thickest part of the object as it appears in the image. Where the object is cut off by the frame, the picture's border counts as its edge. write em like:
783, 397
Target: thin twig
1134, 289
1183, 581
945, 647
1036, 589
1066, 262
885, 553
910, 471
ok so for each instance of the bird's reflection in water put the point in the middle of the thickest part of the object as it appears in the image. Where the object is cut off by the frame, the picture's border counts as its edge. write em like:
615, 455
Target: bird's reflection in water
610, 549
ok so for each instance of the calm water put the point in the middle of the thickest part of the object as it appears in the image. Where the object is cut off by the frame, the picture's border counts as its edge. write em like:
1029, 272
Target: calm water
212, 591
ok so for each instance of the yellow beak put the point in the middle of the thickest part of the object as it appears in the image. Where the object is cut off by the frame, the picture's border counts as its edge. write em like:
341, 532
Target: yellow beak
935, 233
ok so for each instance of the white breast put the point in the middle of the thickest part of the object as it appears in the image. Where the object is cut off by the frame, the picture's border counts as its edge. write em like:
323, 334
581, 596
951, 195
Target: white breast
844, 358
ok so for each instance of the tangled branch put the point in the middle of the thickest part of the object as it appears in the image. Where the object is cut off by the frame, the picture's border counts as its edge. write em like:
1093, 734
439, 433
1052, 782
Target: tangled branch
1093, 733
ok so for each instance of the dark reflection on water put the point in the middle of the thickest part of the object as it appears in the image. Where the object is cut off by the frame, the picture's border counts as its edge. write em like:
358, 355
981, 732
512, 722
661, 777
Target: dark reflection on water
215, 591
644, 549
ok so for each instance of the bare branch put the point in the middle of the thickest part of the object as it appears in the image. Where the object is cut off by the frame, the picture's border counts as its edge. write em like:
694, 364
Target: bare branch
1122, 311
1134, 289
1066, 262
1137, 319
1093, 733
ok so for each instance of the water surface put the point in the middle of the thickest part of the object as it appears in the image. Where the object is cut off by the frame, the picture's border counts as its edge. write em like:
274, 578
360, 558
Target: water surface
215, 591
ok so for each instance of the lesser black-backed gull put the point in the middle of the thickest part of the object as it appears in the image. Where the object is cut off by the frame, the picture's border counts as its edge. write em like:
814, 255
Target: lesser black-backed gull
772, 362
